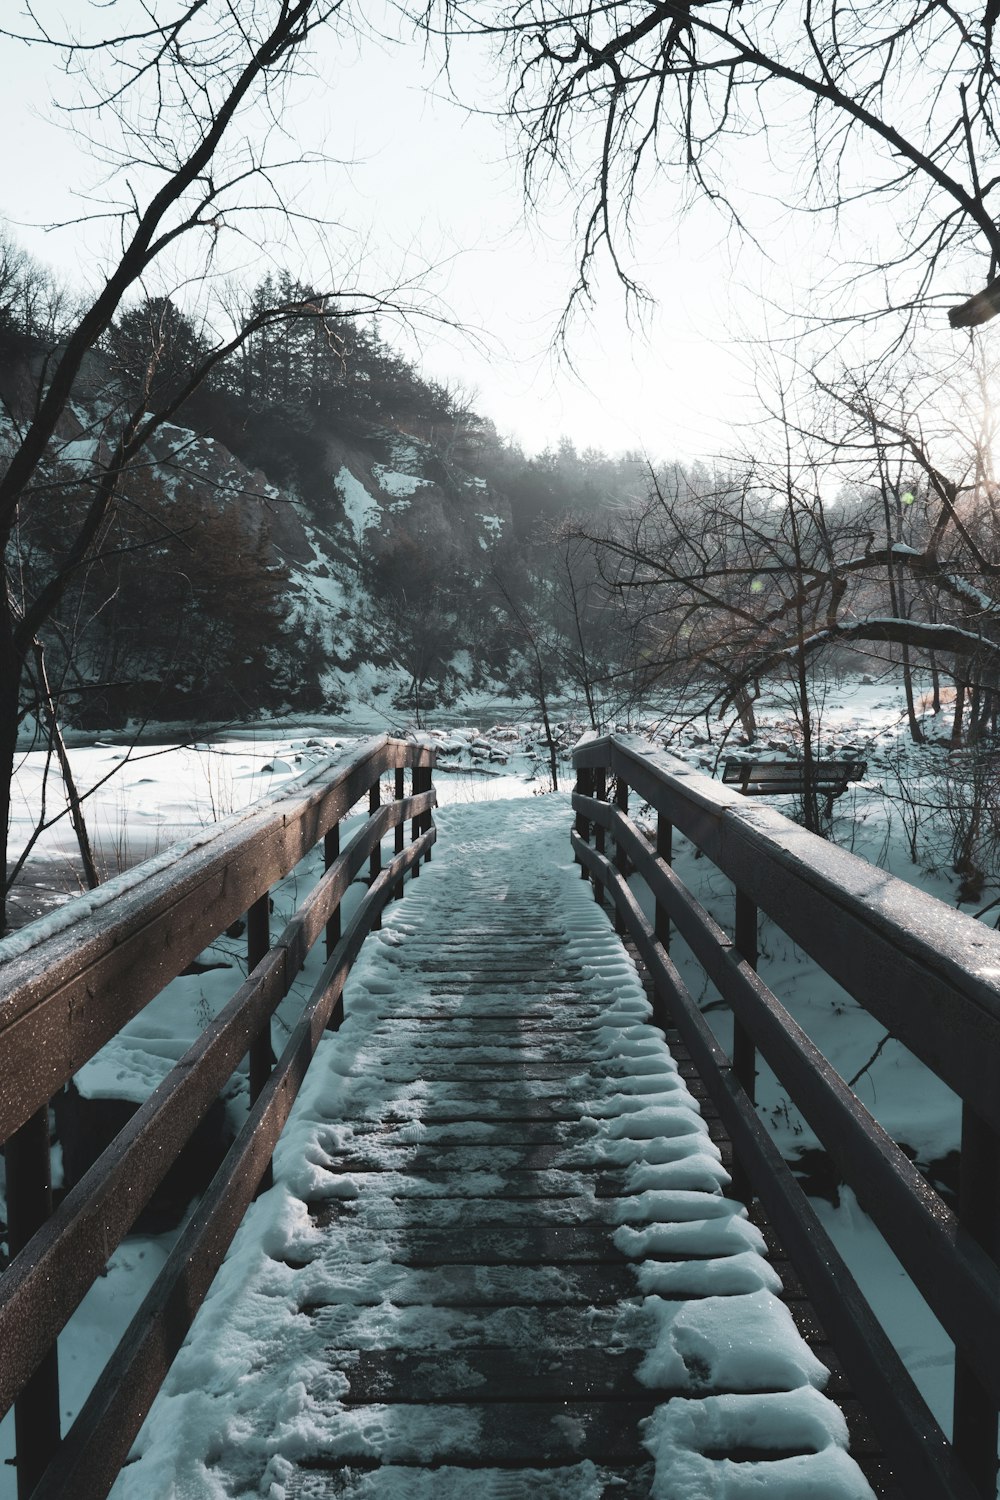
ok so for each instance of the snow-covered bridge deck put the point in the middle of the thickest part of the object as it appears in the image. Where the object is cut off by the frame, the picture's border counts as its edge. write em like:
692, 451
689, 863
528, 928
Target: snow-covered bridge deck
498, 1260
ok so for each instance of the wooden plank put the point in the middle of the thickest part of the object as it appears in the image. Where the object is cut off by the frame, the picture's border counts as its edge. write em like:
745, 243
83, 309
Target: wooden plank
550, 1482
347, 1329
461, 1285
471, 1050
481, 1132
537, 1244
421, 1028
549, 1374
510, 1186
458, 1213
504, 1074
469, 1107
448, 1011
461, 1158
469, 984
522, 1434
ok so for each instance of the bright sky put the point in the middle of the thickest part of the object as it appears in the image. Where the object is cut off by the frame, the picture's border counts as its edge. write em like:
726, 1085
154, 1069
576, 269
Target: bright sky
423, 180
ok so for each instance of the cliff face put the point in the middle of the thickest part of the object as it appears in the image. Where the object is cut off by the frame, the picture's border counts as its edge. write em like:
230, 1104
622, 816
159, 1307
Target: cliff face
401, 539
217, 591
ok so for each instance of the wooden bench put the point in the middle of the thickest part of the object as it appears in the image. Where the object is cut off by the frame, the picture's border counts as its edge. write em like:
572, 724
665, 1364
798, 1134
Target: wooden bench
774, 778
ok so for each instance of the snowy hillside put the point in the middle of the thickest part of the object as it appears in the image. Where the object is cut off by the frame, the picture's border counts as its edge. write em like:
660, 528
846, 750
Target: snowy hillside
234, 579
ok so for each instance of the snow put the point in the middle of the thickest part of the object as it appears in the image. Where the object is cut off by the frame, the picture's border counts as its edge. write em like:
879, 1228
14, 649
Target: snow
315, 593
361, 510
398, 485
968, 591
79, 454
741, 1340
493, 528
728, 1276
679, 1433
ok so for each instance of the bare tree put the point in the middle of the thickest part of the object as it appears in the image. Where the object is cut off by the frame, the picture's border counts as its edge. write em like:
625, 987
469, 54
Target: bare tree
843, 529
858, 101
534, 636
186, 102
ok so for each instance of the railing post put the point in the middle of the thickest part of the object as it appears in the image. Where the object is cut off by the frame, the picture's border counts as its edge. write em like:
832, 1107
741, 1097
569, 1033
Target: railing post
601, 795
621, 859
426, 820
744, 1050
399, 791
375, 858
416, 785
261, 1054
29, 1204
331, 853
585, 788
974, 1430
664, 851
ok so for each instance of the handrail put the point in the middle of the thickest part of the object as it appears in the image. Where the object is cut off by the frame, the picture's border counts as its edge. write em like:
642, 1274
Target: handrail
864, 927
114, 960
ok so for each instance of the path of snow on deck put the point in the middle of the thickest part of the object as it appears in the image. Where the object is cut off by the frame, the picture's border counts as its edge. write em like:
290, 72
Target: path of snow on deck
497, 1262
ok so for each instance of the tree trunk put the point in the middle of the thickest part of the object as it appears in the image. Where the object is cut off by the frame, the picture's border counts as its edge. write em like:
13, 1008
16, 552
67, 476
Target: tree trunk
743, 703
810, 803
897, 595
916, 732
956, 723
11, 667
72, 795
550, 742
935, 684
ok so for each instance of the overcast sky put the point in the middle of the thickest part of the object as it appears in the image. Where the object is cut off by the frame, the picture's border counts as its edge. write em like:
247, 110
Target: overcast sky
425, 180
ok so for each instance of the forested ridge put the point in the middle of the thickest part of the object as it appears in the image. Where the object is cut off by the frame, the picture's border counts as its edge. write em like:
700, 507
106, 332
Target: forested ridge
316, 505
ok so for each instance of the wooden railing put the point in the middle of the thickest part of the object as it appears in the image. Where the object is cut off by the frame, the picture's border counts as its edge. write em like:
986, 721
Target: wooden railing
929, 974
64, 997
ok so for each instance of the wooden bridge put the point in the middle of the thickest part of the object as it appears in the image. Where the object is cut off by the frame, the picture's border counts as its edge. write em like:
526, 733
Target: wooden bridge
501, 1256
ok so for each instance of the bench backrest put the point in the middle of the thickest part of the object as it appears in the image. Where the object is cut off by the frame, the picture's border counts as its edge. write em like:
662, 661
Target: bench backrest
759, 778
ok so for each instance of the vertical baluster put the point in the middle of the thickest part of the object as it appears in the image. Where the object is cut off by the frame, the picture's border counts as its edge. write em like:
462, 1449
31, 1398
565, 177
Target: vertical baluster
29, 1204
427, 819
664, 851
600, 837
416, 785
585, 788
399, 792
975, 1419
744, 1051
331, 853
261, 1055
621, 859
375, 858
399, 838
